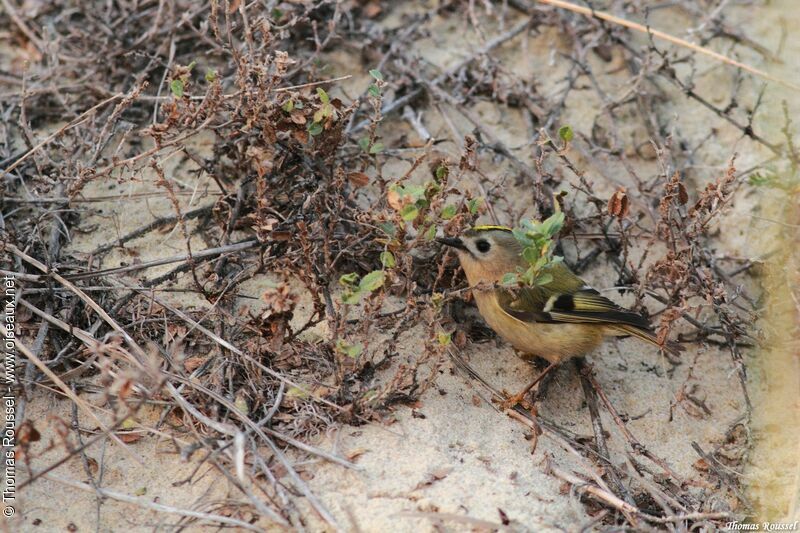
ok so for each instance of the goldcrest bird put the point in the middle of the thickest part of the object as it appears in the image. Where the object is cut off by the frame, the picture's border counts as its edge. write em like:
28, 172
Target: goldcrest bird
562, 319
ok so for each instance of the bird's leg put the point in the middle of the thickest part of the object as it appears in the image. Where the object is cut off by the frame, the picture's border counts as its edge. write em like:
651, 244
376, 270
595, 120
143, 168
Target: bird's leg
539, 391
519, 398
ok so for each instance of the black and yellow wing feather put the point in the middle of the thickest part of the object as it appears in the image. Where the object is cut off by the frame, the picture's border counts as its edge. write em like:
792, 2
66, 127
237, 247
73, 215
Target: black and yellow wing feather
570, 300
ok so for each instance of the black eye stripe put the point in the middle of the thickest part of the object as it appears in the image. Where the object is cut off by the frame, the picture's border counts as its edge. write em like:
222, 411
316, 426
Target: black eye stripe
482, 245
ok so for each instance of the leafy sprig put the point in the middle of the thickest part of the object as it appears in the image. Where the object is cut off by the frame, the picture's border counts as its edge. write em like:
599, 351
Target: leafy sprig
355, 288
538, 246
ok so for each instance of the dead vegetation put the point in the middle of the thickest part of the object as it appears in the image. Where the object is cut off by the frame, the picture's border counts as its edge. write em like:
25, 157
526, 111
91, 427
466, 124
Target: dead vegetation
301, 194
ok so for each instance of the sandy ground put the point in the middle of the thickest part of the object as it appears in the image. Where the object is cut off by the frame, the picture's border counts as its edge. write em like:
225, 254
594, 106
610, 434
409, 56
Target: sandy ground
453, 462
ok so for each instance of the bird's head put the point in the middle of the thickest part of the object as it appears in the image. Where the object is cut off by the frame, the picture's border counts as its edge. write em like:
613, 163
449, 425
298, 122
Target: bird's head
486, 253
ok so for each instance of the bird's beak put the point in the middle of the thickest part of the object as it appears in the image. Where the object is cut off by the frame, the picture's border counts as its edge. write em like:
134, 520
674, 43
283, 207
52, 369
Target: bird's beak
453, 242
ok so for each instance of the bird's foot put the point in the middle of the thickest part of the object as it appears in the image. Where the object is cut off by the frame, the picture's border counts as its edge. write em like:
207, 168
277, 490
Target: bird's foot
517, 399
520, 398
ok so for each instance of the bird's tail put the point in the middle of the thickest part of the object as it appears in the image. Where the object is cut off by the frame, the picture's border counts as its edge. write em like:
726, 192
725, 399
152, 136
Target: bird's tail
624, 330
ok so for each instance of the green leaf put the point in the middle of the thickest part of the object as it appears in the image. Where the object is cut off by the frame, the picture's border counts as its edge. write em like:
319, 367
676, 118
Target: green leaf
375, 73
444, 338
387, 259
211, 75
432, 189
363, 143
509, 278
441, 172
319, 114
388, 228
409, 212
176, 86
539, 236
372, 281
416, 192
448, 212
288, 105
566, 133
474, 204
527, 277
297, 392
374, 90
348, 279
315, 128
276, 14
141, 491
376, 148
544, 279
556, 223
430, 233
351, 297
437, 298
241, 405
350, 350
520, 235
553, 224
530, 254
759, 179
323, 96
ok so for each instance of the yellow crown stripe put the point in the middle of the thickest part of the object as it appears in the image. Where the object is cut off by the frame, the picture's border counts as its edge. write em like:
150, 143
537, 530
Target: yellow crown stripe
490, 228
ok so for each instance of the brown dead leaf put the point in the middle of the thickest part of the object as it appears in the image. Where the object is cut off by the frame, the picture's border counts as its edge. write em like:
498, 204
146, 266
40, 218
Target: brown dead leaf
394, 199
358, 179
193, 363
125, 389
233, 6
92, 464
434, 476
604, 52
618, 204
261, 160
469, 159
300, 136
460, 339
130, 438
372, 10
281, 235
356, 453
683, 196
27, 433
298, 117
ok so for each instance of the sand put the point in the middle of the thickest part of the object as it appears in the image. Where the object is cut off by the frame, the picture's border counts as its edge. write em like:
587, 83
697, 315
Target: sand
453, 462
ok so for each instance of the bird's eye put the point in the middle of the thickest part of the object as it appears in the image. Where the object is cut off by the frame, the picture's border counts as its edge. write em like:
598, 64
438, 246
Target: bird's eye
482, 246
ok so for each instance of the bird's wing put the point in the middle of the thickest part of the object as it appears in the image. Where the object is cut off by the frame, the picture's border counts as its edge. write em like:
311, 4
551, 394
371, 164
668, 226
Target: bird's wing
585, 305
567, 299
588, 305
